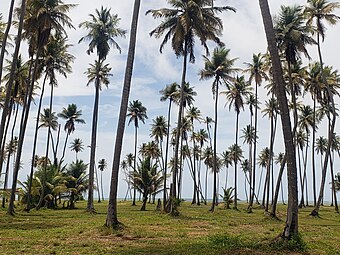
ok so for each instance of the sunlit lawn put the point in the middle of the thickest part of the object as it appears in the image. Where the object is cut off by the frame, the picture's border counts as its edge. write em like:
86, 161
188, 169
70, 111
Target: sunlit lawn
196, 231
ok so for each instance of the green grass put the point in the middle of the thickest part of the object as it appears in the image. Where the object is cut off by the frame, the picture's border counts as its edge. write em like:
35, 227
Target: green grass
195, 231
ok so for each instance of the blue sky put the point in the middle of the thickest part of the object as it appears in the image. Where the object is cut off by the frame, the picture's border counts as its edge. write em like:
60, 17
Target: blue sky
243, 34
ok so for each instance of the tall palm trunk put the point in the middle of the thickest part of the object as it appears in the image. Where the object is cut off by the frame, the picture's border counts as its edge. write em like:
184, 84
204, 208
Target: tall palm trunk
253, 169
111, 218
90, 205
336, 207
135, 165
313, 151
165, 193
5, 37
9, 87
235, 161
271, 148
331, 127
173, 208
291, 227
215, 150
23, 126
35, 139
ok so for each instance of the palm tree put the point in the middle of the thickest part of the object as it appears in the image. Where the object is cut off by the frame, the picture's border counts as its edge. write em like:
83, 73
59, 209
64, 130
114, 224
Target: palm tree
236, 155
146, 179
72, 116
293, 38
318, 11
102, 165
136, 113
102, 30
239, 89
77, 146
181, 24
98, 73
220, 67
41, 19
257, 72
158, 131
291, 227
170, 92
281, 160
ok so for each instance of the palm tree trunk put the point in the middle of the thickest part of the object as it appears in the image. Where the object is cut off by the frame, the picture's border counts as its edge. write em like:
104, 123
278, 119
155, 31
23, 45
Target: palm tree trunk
101, 184
253, 181
90, 205
5, 37
173, 208
165, 193
235, 163
313, 151
112, 218
332, 187
134, 167
98, 187
215, 149
277, 189
291, 227
23, 126
9, 87
330, 132
35, 139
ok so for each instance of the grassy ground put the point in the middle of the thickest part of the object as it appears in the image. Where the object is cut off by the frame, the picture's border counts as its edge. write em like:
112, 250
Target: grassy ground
196, 231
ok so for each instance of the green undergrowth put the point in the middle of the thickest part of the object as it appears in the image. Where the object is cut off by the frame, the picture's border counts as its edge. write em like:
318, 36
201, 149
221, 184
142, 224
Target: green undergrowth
194, 231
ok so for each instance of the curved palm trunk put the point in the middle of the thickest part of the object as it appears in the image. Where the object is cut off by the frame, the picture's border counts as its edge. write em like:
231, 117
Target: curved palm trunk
90, 205
291, 227
215, 151
11, 78
235, 163
111, 218
253, 174
35, 139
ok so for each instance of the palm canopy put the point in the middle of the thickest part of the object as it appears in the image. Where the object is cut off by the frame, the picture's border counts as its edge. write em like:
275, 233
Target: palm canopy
72, 115
257, 69
170, 92
239, 89
102, 164
321, 10
136, 112
220, 67
98, 73
56, 57
292, 33
188, 95
43, 17
48, 119
159, 128
77, 145
102, 30
187, 19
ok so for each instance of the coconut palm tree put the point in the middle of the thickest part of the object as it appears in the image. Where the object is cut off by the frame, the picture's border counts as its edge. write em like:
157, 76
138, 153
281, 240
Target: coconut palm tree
291, 227
72, 116
41, 20
187, 20
102, 31
221, 68
318, 11
146, 179
77, 146
102, 165
111, 217
281, 160
136, 113
236, 95
170, 92
257, 73
158, 131
236, 154
98, 73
